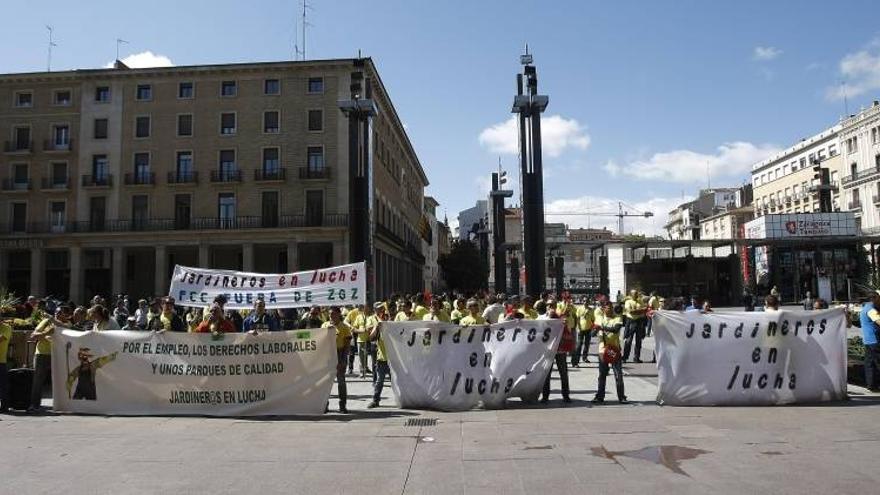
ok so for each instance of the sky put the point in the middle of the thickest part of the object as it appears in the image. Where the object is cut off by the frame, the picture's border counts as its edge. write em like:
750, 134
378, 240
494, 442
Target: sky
649, 100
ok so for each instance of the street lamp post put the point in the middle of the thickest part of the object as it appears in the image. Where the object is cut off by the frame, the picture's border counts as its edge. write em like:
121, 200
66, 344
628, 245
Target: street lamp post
360, 110
529, 105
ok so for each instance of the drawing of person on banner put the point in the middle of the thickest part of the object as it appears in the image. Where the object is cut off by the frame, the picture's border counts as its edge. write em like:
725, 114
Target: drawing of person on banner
84, 374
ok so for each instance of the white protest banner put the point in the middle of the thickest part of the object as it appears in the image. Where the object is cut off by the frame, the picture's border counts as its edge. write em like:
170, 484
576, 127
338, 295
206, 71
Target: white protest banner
334, 286
149, 373
754, 358
452, 368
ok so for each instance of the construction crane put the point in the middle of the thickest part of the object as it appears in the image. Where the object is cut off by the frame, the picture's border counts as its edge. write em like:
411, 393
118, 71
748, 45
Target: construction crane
621, 214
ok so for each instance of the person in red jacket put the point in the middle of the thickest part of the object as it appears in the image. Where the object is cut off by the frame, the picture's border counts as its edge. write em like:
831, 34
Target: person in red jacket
216, 324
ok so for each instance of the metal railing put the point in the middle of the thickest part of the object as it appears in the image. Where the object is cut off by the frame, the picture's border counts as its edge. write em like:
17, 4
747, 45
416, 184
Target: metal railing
861, 174
278, 174
307, 173
47, 183
226, 175
140, 179
182, 223
51, 145
97, 180
183, 177
15, 146
14, 185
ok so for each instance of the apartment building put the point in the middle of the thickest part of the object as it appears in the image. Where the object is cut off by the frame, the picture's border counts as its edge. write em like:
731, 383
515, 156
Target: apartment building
782, 183
110, 177
860, 142
683, 221
726, 224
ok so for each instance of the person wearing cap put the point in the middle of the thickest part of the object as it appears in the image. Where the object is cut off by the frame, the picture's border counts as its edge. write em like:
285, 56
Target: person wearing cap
84, 374
131, 324
259, 320
869, 318
140, 314
168, 319
473, 317
380, 367
343, 335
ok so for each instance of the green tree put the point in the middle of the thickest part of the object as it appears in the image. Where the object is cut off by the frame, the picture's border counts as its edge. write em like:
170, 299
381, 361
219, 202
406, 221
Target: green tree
462, 267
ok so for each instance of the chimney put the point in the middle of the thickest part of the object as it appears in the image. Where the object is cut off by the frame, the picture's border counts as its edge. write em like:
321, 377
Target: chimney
118, 64
876, 103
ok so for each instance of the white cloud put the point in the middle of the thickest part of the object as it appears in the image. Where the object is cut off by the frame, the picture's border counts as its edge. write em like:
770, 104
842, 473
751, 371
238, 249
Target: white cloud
144, 60
557, 135
860, 71
732, 160
648, 226
765, 53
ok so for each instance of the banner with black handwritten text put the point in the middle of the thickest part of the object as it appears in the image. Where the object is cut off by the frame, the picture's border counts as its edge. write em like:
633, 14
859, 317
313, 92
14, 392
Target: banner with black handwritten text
150, 373
750, 358
454, 368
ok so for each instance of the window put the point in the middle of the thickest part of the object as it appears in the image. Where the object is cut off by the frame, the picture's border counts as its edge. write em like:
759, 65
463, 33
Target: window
315, 160
271, 164
821, 154
185, 90
314, 208
185, 125
184, 166
100, 128
803, 162
19, 217
102, 94
227, 165
316, 85
20, 179
852, 145
875, 135
812, 158
228, 88
832, 149
316, 120
57, 215
270, 122
182, 211
97, 212
226, 210
142, 168
853, 168
139, 214
59, 175
24, 99
142, 127
785, 170
100, 169
270, 209
227, 123
272, 87
61, 136
144, 92
62, 97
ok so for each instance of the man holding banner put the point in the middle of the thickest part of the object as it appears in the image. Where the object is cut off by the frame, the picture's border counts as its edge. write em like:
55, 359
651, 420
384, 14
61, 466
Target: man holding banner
343, 336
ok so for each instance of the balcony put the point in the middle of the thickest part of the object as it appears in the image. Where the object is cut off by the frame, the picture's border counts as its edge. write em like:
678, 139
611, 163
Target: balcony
861, 175
140, 179
183, 177
97, 180
178, 224
16, 185
270, 175
18, 146
57, 184
225, 175
50, 146
855, 205
307, 173
876, 199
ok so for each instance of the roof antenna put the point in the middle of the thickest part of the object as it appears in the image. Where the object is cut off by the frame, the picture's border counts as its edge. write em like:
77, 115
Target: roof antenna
305, 24
845, 100
119, 41
51, 44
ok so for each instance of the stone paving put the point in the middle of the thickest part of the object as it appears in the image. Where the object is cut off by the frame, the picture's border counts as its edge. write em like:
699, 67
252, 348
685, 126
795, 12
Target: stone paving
637, 448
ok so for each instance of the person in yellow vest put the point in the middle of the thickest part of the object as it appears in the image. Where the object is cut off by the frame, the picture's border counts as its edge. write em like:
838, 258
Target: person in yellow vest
343, 335
459, 312
436, 313
380, 367
420, 310
636, 320
528, 309
5, 338
404, 312
584, 319
350, 316
365, 348
473, 317
608, 334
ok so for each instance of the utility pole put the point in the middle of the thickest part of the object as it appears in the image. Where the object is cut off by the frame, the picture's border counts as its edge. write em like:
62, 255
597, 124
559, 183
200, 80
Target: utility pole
51, 44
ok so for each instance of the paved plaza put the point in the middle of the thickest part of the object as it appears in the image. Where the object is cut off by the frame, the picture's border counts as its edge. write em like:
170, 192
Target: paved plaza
638, 448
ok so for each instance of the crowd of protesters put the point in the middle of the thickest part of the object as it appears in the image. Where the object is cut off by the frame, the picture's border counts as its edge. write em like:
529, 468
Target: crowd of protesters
619, 328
